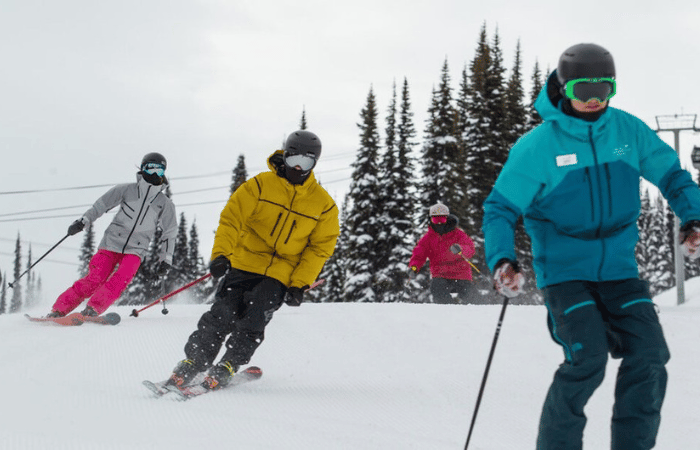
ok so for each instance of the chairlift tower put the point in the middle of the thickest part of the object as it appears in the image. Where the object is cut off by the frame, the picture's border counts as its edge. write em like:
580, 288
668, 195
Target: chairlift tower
677, 123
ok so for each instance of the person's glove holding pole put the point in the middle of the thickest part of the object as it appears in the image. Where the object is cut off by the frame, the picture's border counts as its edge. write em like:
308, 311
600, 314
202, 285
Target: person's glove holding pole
76, 227
219, 266
295, 295
507, 279
690, 239
412, 272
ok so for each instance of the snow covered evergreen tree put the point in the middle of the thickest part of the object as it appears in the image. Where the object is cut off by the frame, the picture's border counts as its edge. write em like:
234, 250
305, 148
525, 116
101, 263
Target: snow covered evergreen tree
364, 210
485, 137
644, 244
394, 241
335, 270
661, 277
16, 300
240, 174
30, 292
537, 82
179, 274
196, 268
444, 171
87, 251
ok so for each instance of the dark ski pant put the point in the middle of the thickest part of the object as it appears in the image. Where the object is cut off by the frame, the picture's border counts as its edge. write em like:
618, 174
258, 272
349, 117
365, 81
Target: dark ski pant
590, 320
441, 288
243, 306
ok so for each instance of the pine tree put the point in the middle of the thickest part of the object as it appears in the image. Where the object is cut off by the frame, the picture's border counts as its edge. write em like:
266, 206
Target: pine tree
444, 174
516, 114
485, 137
87, 251
240, 175
3, 294
396, 220
197, 268
533, 117
29, 296
180, 273
16, 300
302, 123
661, 277
364, 209
335, 270
644, 245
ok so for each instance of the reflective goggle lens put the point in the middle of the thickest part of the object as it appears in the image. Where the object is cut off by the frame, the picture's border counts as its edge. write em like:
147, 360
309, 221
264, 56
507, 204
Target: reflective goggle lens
438, 219
585, 89
305, 162
154, 168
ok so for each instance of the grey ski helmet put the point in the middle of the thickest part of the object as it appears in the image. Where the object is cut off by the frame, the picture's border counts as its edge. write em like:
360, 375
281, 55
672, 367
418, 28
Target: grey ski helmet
585, 61
303, 142
154, 157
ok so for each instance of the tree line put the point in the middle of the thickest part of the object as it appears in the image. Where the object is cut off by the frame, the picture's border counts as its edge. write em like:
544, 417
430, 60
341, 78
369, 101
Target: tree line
395, 179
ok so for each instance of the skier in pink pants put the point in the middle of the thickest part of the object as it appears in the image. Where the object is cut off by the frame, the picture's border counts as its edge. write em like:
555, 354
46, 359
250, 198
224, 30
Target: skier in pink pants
143, 208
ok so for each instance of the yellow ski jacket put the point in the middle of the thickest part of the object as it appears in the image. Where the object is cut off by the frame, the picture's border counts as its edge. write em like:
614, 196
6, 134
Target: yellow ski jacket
274, 228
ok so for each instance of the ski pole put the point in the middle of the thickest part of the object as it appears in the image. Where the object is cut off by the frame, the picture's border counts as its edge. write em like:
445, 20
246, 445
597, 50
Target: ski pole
37, 261
457, 250
135, 312
486, 372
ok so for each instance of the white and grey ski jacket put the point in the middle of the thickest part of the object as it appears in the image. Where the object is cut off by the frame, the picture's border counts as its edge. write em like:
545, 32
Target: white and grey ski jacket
143, 208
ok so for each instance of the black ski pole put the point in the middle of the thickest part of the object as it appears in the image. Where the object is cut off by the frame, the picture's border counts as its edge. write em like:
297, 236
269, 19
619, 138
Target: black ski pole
486, 372
37, 262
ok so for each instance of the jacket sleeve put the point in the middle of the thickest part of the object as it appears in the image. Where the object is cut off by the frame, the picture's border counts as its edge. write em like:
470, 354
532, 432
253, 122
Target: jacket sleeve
420, 254
468, 248
514, 190
321, 245
241, 203
109, 200
168, 223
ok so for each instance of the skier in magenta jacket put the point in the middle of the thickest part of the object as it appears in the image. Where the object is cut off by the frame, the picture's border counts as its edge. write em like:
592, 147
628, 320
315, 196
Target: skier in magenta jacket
449, 270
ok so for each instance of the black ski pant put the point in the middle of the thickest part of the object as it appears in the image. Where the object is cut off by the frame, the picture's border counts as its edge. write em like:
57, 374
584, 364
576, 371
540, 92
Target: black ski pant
243, 306
441, 288
590, 320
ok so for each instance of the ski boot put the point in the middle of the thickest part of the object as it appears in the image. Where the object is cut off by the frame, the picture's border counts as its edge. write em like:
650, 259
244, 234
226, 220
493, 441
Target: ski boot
55, 314
89, 311
183, 373
220, 375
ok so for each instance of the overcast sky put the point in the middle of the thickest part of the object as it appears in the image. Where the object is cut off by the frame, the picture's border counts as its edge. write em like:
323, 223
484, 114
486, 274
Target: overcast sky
88, 87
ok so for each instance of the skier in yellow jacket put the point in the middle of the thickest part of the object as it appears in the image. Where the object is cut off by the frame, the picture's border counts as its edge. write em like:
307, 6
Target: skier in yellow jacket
274, 236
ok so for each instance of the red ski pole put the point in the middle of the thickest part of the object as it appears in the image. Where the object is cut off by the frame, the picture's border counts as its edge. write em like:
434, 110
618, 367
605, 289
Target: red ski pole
135, 313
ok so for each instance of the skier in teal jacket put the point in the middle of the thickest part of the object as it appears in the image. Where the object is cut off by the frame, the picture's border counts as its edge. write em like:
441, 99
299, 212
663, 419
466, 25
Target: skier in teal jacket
575, 180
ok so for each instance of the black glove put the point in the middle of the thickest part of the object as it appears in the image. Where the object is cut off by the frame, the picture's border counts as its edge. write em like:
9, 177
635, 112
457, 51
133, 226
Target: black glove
76, 227
412, 272
219, 266
456, 249
295, 295
162, 268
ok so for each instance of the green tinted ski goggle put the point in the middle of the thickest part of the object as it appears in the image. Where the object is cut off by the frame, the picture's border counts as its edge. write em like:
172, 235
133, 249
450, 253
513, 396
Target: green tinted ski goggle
584, 89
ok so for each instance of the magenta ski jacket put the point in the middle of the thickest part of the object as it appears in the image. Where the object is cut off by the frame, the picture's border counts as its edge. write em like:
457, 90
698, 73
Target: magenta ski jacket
444, 263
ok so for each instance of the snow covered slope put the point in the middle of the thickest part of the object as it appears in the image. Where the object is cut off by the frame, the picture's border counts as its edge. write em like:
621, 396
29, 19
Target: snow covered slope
336, 376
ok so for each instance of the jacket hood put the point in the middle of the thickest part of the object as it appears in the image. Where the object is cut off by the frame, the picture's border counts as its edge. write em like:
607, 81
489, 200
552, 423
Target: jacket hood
549, 106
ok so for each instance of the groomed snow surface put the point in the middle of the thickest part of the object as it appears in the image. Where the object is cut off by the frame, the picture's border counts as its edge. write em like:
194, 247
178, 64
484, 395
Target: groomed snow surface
336, 376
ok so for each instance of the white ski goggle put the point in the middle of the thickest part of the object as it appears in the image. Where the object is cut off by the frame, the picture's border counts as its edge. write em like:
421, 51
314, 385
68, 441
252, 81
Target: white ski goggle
305, 162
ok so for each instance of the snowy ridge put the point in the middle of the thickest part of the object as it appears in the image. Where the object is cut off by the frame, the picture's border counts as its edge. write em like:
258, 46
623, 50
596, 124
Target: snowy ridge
337, 376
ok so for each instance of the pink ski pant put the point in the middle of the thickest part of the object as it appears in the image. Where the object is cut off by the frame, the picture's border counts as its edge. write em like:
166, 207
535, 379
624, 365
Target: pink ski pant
98, 285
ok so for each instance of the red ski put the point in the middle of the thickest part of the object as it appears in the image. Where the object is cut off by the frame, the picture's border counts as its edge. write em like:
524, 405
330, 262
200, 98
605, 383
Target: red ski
193, 390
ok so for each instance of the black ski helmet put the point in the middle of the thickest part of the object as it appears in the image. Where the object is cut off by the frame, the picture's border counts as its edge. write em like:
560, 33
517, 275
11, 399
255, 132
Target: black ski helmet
585, 61
154, 157
303, 142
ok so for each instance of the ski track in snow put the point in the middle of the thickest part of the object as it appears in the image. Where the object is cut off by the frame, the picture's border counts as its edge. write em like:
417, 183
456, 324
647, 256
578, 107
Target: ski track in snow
336, 376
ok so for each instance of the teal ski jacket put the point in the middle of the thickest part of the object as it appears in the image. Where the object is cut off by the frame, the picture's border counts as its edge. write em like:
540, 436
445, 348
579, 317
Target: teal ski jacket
577, 186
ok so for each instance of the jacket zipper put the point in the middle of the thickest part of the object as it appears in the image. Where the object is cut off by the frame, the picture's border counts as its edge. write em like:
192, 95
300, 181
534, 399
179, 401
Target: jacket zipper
136, 222
610, 197
294, 222
600, 199
276, 223
590, 192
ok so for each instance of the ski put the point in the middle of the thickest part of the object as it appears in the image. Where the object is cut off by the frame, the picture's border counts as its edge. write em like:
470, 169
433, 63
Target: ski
196, 388
69, 320
74, 319
106, 319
